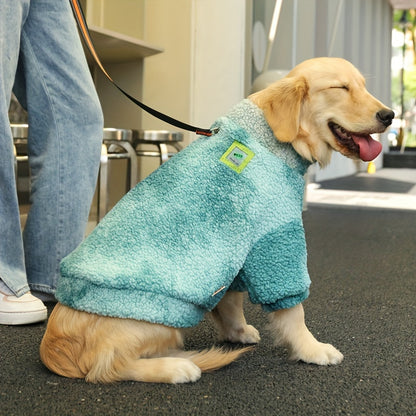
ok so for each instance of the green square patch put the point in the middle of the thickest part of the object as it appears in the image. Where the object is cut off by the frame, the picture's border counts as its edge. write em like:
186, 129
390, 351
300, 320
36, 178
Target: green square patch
237, 157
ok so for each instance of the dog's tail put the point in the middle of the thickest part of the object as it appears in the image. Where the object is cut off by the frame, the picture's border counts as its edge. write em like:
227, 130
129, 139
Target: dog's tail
214, 358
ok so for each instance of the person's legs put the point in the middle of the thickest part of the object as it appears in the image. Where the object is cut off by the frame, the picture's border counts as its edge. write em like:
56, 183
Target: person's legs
12, 266
65, 135
17, 305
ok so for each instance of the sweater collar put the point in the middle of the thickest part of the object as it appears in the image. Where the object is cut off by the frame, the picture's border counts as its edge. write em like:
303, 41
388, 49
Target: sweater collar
250, 117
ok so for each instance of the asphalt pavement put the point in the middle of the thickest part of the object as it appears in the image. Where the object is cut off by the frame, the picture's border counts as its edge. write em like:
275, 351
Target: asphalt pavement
362, 262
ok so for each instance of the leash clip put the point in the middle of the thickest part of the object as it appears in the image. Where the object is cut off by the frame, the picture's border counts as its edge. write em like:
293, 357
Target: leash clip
207, 133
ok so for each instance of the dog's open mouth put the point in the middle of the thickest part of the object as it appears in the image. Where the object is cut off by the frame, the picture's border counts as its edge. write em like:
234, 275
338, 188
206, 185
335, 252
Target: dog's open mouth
362, 145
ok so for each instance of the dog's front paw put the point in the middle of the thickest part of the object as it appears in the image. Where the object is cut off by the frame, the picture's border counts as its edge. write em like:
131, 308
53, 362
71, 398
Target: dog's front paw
250, 335
245, 335
318, 353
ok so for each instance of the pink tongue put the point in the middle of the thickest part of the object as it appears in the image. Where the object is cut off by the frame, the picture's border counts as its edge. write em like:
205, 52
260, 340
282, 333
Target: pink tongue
369, 148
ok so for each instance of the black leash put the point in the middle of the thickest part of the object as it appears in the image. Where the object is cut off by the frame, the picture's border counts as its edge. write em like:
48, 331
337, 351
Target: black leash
82, 24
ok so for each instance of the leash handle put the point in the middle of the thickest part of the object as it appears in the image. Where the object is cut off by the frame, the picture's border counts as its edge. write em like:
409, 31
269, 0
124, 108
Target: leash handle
82, 24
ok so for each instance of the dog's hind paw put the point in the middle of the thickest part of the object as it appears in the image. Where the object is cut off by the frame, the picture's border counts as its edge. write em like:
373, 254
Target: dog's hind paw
320, 354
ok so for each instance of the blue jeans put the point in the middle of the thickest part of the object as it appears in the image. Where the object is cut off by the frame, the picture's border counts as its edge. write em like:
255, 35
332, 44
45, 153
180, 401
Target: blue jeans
42, 61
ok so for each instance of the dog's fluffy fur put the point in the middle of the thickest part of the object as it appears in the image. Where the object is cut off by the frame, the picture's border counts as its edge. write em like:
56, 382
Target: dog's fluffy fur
300, 109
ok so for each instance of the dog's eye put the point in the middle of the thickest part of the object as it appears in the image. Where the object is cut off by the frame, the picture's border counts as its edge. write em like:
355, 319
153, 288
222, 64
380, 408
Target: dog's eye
342, 87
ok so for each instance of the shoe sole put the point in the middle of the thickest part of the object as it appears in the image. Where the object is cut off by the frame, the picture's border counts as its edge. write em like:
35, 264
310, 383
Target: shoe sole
23, 318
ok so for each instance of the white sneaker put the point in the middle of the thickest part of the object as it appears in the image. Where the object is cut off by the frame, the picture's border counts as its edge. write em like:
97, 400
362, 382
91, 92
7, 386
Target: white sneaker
21, 310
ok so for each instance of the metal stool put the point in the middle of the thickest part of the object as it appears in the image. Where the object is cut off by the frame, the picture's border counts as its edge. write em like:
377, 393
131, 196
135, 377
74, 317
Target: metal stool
19, 133
161, 139
117, 144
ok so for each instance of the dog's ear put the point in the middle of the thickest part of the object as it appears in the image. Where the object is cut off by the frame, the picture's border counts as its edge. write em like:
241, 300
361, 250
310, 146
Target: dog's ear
281, 103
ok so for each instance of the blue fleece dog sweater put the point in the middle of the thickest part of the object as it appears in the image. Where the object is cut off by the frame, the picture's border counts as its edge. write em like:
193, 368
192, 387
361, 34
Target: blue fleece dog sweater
225, 213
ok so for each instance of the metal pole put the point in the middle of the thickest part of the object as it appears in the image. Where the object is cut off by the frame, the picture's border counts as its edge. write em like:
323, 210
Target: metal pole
335, 27
403, 23
272, 34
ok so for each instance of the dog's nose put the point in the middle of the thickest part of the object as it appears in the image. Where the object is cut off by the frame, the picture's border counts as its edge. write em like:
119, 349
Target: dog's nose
385, 116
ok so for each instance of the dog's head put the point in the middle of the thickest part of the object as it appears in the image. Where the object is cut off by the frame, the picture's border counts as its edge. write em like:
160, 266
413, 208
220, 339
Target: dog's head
322, 104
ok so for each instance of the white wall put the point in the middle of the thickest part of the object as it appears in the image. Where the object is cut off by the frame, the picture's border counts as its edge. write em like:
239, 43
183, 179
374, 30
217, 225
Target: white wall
217, 58
201, 73
166, 76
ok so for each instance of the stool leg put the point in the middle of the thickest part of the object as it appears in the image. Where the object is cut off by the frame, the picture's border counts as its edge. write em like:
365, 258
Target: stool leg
132, 163
164, 155
15, 161
102, 197
133, 167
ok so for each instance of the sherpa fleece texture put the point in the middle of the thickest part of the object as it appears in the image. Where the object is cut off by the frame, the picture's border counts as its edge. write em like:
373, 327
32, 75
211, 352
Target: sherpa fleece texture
171, 247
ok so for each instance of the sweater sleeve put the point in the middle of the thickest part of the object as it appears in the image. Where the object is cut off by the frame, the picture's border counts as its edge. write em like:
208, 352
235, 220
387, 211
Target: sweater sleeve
275, 271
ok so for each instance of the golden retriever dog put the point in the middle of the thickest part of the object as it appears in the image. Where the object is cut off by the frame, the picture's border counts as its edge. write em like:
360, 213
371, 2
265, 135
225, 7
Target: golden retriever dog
320, 106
